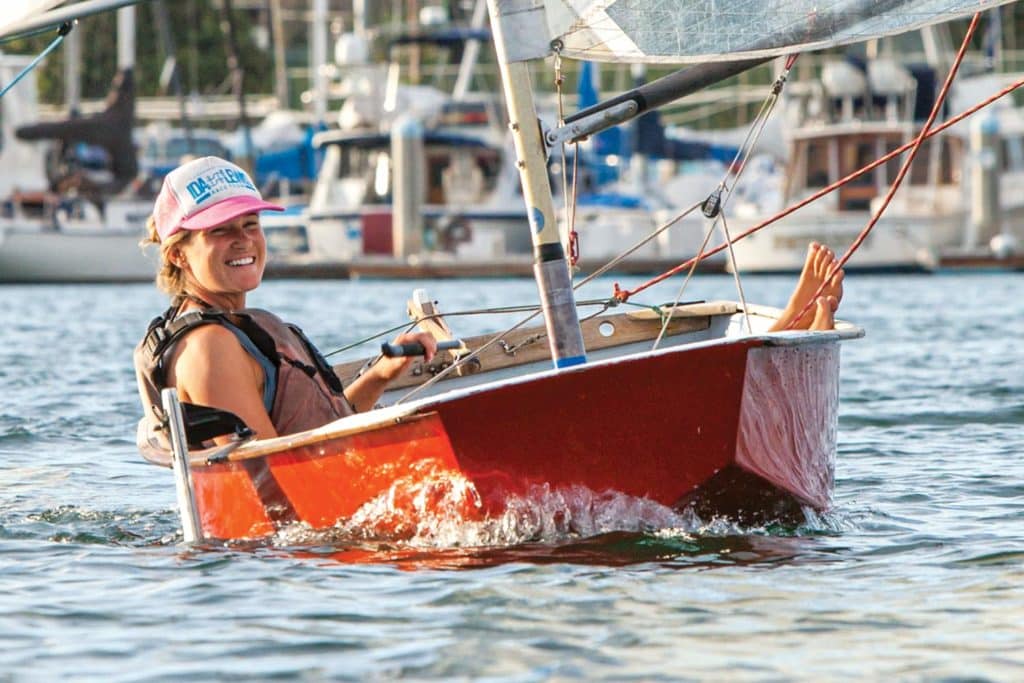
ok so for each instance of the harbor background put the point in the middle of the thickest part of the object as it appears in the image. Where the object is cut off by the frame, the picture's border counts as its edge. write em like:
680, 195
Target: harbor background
915, 574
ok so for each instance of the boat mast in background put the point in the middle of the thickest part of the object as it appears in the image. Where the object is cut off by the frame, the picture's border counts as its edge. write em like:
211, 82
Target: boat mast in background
280, 59
126, 38
72, 71
318, 58
471, 53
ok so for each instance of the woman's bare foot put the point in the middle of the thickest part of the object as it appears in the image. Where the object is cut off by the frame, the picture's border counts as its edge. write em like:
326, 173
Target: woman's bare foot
799, 314
824, 313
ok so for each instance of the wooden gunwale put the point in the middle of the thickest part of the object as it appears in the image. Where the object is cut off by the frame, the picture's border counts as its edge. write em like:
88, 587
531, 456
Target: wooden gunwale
696, 318
530, 346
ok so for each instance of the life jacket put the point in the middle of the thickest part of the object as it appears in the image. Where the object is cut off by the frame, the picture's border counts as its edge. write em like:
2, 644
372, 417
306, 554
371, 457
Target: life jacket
301, 390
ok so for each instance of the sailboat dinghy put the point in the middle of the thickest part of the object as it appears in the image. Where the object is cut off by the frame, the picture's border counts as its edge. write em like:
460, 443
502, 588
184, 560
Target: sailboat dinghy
691, 405
719, 420
725, 417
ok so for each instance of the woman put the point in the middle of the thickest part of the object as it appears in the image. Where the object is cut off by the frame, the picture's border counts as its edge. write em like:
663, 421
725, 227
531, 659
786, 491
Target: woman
208, 345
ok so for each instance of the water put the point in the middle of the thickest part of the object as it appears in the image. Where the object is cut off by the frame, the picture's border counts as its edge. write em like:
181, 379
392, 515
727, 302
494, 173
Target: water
916, 574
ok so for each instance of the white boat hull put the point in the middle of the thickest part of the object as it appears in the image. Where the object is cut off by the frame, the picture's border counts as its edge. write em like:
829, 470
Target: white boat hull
33, 255
896, 244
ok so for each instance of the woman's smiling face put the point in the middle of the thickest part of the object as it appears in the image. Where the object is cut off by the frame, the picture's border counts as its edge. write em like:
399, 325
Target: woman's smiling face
225, 262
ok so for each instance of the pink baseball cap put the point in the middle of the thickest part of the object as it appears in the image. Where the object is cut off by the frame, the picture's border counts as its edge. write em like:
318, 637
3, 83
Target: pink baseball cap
203, 194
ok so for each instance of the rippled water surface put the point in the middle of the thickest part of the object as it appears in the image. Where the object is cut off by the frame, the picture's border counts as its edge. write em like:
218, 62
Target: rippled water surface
916, 574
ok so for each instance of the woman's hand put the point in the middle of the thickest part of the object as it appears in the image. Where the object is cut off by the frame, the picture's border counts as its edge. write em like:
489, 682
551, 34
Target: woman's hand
388, 369
367, 389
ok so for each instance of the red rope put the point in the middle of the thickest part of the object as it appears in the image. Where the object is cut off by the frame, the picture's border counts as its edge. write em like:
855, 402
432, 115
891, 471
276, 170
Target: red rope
625, 294
903, 169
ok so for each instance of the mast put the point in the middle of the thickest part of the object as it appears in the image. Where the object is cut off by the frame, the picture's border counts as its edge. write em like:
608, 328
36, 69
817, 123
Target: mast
237, 78
471, 54
318, 59
126, 38
169, 74
280, 59
73, 71
550, 268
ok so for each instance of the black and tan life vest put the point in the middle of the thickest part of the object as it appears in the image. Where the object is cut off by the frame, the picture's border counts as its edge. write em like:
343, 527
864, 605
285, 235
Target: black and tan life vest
301, 390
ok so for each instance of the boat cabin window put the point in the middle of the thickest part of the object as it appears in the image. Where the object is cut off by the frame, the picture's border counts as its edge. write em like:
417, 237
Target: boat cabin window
461, 175
454, 175
856, 152
371, 166
947, 171
1011, 157
817, 163
892, 167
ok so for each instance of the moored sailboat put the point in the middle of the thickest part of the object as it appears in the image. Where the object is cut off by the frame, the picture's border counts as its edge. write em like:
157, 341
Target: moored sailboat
77, 225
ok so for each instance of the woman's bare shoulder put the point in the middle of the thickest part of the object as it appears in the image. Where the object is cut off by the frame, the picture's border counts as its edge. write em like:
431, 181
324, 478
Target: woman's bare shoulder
209, 344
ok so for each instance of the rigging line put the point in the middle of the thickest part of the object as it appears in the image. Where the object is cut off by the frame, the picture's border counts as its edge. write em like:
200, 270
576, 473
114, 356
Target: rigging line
497, 310
752, 137
559, 79
623, 295
459, 362
618, 259
64, 29
742, 157
574, 238
736, 275
665, 319
746, 148
936, 108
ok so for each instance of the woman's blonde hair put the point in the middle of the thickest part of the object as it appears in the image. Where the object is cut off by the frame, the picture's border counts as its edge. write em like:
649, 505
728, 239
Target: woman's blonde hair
169, 278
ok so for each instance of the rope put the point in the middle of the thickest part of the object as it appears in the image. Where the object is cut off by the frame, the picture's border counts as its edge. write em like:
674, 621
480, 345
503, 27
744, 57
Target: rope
714, 205
715, 202
494, 310
574, 237
615, 261
64, 29
606, 303
736, 275
559, 99
903, 169
665, 319
624, 294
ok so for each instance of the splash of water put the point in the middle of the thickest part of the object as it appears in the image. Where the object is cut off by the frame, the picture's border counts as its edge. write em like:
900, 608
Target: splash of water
443, 510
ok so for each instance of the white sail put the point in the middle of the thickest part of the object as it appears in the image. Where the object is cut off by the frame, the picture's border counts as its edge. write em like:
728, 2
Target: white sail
694, 31
15, 12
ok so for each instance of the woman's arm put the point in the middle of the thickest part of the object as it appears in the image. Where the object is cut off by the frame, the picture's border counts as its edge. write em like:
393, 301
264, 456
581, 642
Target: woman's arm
210, 368
366, 390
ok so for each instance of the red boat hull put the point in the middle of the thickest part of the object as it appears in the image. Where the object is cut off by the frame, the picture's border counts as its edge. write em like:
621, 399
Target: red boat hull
734, 427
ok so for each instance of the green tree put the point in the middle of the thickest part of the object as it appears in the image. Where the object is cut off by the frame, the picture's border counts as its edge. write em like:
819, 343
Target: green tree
199, 41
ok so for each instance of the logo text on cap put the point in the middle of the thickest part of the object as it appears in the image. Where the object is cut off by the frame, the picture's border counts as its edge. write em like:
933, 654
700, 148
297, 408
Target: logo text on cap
205, 186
